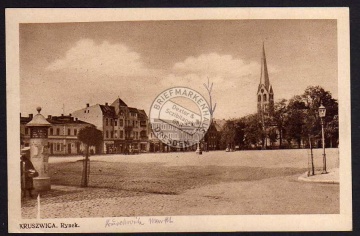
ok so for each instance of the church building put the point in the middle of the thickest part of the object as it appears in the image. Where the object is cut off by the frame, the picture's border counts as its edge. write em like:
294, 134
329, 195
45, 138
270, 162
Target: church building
265, 93
265, 105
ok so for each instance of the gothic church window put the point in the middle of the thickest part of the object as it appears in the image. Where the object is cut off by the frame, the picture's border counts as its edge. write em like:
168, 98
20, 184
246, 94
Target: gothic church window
259, 98
265, 98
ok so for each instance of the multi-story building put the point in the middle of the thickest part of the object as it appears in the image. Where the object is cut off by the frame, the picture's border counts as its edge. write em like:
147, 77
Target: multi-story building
125, 129
62, 135
181, 138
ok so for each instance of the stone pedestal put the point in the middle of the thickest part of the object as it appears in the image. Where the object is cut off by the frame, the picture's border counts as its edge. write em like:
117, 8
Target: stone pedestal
42, 183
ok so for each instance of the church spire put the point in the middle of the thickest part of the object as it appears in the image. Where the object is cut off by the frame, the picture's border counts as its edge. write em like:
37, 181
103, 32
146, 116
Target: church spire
264, 78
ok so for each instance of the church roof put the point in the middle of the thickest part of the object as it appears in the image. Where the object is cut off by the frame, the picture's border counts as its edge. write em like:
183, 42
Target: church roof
264, 77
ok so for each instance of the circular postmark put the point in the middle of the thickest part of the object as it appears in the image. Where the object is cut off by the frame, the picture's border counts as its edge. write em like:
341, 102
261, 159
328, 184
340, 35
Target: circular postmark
180, 117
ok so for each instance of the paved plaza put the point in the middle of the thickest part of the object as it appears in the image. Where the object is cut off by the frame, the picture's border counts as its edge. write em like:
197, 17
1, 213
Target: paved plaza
215, 183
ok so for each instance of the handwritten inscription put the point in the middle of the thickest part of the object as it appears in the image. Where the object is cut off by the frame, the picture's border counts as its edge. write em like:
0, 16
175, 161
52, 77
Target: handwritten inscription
138, 221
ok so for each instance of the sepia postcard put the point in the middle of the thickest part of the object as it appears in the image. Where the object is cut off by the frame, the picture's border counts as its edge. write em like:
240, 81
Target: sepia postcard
178, 120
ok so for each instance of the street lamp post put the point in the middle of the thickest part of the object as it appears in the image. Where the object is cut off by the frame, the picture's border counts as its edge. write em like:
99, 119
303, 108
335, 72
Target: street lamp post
322, 113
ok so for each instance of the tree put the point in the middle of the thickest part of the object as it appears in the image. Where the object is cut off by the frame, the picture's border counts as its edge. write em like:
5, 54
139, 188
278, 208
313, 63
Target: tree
254, 131
279, 118
90, 136
228, 134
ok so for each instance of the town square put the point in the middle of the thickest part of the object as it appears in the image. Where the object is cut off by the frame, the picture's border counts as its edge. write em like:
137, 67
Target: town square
219, 182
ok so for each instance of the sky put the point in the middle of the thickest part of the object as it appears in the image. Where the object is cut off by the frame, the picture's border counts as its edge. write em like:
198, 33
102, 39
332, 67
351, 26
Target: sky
63, 66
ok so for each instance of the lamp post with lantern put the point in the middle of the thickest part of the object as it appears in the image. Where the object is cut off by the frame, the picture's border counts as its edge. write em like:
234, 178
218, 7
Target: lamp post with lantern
322, 113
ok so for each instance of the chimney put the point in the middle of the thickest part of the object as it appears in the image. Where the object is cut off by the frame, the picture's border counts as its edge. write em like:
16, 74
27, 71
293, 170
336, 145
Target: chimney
31, 116
49, 116
76, 119
72, 118
62, 114
70, 114
106, 104
87, 104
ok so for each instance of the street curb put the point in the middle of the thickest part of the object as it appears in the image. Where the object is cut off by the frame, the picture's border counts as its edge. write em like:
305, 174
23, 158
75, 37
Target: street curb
305, 178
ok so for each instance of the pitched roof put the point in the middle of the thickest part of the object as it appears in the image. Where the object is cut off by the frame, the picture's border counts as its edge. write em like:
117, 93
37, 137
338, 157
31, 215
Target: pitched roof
119, 102
65, 120
107, 110
133, 110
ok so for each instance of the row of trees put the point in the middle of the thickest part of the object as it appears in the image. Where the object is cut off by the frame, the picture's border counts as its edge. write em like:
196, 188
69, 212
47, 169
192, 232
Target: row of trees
292, 123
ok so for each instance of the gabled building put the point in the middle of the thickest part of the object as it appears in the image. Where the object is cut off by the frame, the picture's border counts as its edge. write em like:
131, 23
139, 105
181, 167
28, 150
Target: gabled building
125, 129
213, 135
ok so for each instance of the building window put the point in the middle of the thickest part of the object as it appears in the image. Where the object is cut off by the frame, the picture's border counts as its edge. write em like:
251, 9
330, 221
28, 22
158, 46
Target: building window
121, 134
112, 134
75, 132
57, 131
26, 131
58, 147
115, 121
259, 98
106, 121
265, 98
51, 131
133, 123
107, 134
111, 122
69, 131
88, 111
121, 122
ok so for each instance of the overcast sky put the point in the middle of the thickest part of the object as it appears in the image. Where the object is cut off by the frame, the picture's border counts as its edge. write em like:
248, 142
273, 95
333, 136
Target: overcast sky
78, 63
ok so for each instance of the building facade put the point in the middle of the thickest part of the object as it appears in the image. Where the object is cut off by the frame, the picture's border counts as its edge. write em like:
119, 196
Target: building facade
62, 135
125, 129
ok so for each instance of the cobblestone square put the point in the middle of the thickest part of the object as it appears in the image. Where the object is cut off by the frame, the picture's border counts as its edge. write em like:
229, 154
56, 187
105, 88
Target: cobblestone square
215, 183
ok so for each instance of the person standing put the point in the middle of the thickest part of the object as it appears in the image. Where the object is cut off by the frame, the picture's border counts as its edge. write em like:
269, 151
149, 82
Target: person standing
28, 172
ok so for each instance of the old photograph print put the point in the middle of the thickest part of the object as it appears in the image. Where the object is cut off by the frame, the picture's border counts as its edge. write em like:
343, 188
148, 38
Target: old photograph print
140, 122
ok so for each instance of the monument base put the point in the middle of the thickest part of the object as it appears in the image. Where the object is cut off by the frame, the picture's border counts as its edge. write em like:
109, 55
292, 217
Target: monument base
42, 183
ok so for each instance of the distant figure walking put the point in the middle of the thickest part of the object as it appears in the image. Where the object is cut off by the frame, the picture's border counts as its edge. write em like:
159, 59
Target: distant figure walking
28, 172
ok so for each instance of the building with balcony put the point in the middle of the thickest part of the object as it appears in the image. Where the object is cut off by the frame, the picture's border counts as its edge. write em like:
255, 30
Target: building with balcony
125, 129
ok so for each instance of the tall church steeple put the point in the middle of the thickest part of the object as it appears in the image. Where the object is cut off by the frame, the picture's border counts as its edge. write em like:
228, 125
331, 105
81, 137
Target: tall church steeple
264, 78
265, 93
